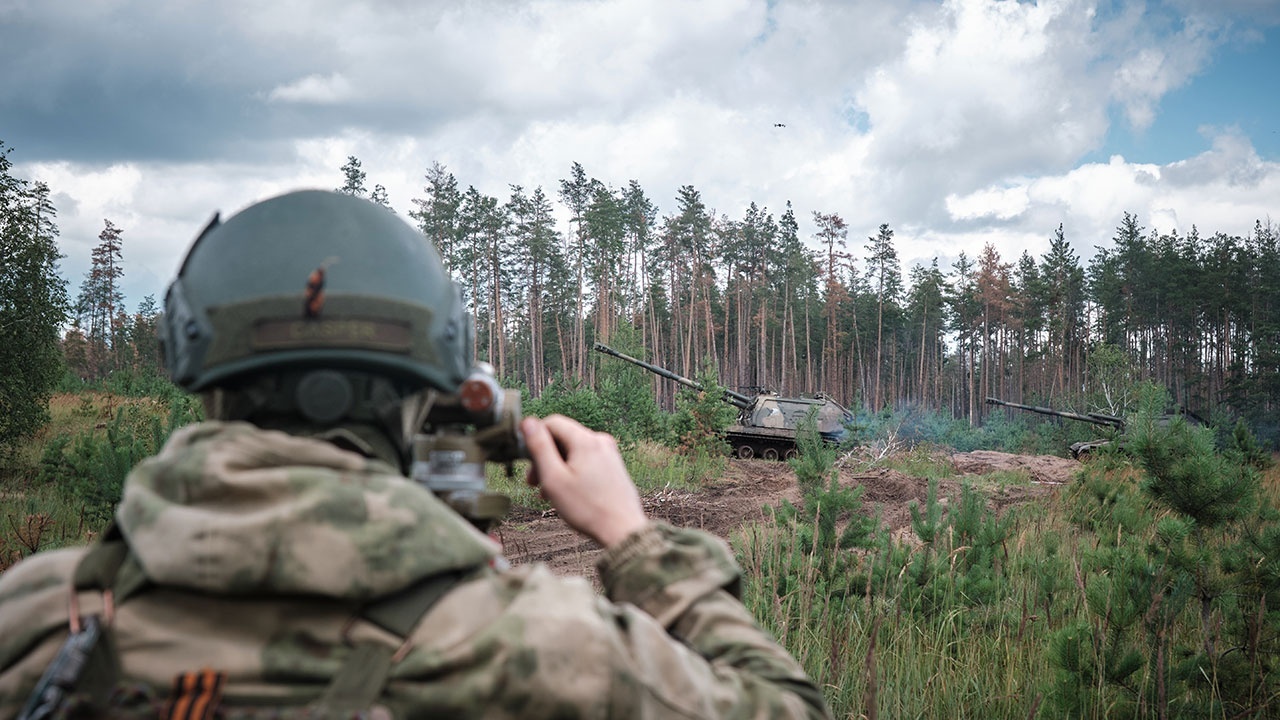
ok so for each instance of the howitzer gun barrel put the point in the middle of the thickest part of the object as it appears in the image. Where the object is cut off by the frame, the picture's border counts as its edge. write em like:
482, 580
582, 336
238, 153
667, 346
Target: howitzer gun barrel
736, 399
1095, 418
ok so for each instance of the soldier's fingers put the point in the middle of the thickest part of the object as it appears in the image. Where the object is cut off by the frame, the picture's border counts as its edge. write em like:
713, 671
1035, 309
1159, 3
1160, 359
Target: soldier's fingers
567, 432
542, 447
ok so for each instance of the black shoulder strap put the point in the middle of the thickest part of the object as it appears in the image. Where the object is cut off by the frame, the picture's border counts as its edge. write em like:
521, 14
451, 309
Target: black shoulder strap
358, 683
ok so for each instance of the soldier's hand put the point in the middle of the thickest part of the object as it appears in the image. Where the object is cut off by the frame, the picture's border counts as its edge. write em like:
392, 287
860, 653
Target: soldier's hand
581, 473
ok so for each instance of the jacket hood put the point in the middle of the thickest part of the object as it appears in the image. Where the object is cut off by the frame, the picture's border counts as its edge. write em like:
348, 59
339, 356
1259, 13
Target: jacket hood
234, 509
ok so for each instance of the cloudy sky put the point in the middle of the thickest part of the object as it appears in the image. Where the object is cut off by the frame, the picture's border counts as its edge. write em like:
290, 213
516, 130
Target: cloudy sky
957, 122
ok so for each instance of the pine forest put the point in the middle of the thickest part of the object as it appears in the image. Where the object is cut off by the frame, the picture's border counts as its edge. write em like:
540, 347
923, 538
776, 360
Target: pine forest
773, 310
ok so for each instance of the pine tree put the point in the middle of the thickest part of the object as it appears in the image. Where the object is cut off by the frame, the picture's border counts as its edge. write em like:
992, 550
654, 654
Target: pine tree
379, 195
353, 178
799, 287
925, 310
1064, 302
536, 249
965, 308
885, 276
690, 263
994, 287
100, 305
437, 216
605, 222
576, 194
832, 231
482, 247
1030, 293
144, 339
639, 216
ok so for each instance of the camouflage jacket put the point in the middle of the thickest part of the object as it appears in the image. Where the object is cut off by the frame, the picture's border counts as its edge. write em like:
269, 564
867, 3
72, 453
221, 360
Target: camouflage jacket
259, 547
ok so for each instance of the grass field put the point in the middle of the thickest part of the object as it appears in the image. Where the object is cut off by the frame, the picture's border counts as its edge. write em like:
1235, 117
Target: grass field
1101, 602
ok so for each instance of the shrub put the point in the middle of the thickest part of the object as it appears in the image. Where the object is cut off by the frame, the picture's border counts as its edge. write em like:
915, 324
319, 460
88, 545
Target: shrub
91, 467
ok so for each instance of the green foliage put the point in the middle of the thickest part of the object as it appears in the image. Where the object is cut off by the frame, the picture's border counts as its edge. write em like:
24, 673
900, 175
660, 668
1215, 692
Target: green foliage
622, 405
915, 425
33, 306
815, 560
571, 398
1112, 379
928, 626
1187, 474
1175, 579
91, 467
1243, 448
824, 501
38, 518
352, 177
960, 562
125, 383
702, 415
1108, 502
626, 392
1110, 602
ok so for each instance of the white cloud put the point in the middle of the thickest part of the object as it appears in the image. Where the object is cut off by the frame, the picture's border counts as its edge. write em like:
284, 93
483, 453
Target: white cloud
314, 89
1232, 160
1002, 85
998, 203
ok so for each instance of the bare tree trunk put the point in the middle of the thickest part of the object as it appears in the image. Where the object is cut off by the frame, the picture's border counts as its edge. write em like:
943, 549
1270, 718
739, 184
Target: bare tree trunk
808, 349
762, 368
879, 352
924, 333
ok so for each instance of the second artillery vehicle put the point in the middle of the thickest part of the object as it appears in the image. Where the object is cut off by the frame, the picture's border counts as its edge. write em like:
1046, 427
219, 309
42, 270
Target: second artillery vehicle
767, 424
1079, 450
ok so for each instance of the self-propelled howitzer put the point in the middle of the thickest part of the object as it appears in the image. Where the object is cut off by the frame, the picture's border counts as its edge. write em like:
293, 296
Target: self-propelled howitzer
1079, 450
767, 424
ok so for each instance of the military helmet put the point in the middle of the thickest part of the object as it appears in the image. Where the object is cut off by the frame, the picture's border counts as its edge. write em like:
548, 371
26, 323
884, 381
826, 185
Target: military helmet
314, 279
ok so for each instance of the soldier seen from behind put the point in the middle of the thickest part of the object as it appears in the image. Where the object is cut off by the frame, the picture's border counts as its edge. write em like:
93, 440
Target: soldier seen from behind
278, 561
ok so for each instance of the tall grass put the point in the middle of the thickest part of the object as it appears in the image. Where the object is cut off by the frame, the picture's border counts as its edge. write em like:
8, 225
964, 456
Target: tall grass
903, 629
1092, 604
63, 488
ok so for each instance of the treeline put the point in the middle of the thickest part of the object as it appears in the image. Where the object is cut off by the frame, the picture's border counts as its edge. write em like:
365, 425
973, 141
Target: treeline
104, 339
777, 311
1198, 315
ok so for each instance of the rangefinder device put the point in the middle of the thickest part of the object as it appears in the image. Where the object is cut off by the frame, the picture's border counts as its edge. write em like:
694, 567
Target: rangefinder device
462, 433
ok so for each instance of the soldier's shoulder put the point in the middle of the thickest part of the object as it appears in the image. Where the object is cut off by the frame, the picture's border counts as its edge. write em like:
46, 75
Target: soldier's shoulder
33, 599
38, 574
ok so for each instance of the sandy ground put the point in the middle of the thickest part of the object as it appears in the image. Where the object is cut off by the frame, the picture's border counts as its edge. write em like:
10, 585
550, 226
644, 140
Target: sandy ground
749, 486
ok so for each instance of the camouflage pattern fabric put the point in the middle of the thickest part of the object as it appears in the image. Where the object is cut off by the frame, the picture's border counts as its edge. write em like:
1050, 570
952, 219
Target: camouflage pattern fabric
261, 546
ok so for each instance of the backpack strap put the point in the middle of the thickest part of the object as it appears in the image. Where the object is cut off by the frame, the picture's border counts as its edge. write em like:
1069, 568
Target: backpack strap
360, 681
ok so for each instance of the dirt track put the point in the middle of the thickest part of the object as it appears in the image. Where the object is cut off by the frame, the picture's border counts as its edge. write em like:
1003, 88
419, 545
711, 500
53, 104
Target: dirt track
750, 485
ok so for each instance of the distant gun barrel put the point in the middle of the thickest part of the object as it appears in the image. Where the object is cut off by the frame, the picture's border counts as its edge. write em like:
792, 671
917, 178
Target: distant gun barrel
736, 399
1095, 418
